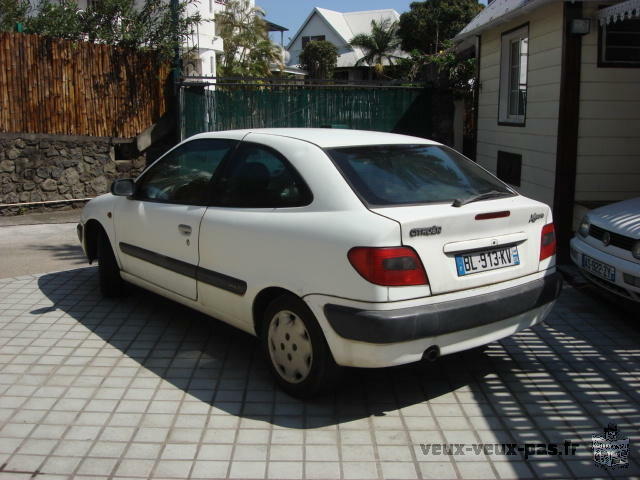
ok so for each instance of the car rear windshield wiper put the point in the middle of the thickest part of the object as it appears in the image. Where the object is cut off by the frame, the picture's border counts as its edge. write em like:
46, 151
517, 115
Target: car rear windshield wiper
480, 196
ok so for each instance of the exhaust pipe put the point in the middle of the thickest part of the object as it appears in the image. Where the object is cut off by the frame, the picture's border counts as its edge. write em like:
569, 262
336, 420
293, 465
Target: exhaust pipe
431, 353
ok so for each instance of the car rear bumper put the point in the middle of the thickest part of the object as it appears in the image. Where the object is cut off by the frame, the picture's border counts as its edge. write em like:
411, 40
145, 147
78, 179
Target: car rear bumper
390, 326
370, 337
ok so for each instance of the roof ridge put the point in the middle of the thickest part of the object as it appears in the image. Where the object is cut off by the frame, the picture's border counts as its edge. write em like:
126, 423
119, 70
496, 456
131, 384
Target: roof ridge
368, 11
346, 40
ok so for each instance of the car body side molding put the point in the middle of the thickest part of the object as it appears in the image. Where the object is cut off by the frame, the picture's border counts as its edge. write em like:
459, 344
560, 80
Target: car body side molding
220, 280
216, 279
169, 263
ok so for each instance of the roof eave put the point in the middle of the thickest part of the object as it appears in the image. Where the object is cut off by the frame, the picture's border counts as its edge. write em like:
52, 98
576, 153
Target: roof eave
326, 21
530, 6
335, 30
304, 24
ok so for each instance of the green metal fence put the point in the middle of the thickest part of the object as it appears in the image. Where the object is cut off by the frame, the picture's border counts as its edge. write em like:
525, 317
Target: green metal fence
389, 109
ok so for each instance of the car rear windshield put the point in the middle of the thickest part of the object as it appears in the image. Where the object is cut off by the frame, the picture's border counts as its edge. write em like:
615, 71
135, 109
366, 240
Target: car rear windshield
388, 175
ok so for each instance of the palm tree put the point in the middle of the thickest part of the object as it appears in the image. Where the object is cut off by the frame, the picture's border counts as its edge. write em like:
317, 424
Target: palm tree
379, 45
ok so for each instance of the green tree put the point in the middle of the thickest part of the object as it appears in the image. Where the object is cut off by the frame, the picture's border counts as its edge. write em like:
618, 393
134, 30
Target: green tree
117, 22
247, 48
60, 20
319, 58
446, 68
12, 12
379, 45
428, 24
426, 31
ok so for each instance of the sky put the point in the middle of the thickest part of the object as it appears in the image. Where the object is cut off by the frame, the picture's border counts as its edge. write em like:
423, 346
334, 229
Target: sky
291, 13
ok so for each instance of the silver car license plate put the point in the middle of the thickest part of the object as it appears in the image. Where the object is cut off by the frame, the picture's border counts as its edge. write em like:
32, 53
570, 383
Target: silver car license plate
482, 261
598, 268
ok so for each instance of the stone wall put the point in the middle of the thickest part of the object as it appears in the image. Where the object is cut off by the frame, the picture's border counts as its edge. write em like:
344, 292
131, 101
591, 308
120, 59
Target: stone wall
37, 168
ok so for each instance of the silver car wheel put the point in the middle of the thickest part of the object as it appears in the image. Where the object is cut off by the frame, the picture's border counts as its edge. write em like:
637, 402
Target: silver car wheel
290, 346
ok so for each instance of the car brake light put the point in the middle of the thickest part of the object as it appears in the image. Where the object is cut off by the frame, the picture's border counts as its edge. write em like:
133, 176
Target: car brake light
388, 266
548, 241
489, 216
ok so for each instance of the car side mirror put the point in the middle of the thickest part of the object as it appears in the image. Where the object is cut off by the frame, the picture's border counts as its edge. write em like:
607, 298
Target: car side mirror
123, 188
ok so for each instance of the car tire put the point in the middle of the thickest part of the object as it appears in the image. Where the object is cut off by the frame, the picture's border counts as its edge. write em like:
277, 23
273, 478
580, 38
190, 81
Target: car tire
296, 350
111, 284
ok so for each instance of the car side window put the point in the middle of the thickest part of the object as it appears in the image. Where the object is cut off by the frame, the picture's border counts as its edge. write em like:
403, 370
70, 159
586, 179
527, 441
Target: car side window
260, 177
183, 175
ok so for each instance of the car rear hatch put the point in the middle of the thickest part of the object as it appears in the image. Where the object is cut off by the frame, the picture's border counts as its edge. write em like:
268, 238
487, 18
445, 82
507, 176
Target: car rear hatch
480, 243
468, 228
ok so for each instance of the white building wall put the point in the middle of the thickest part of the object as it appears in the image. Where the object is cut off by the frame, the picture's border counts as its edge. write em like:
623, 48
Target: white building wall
205, 39
608, 166
536, 141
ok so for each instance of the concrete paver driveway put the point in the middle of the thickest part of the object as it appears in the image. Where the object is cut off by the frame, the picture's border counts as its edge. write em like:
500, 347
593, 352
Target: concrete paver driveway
144, 388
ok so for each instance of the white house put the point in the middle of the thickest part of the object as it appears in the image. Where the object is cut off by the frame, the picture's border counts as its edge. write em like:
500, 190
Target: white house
338, 28
558, 101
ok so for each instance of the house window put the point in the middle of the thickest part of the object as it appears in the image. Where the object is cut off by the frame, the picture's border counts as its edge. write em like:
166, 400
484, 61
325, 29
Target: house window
509, 168
513, 76
316, 38
619, 44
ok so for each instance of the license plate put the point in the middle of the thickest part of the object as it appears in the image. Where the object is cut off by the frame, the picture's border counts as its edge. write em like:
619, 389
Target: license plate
598, 268
477, 262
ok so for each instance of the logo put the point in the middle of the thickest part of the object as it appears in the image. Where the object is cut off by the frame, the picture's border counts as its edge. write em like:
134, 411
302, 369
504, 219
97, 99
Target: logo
535, 217
423, 232
611, 450
606, 238
526, 450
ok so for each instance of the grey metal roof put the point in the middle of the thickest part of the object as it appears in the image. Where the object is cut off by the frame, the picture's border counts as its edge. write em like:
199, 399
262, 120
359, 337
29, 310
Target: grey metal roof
274, 27
496, 12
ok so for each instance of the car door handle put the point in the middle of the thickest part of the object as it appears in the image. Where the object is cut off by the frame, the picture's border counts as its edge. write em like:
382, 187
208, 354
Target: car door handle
184, 229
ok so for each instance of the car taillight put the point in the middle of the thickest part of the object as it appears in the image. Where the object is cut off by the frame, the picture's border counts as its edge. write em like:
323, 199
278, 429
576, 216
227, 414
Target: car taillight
388, 266
548, 241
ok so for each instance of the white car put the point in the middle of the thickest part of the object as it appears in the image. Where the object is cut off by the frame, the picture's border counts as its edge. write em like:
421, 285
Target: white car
606, 248
334, 247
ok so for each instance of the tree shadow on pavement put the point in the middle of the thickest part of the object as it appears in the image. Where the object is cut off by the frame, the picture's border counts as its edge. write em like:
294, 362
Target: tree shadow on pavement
68, 252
